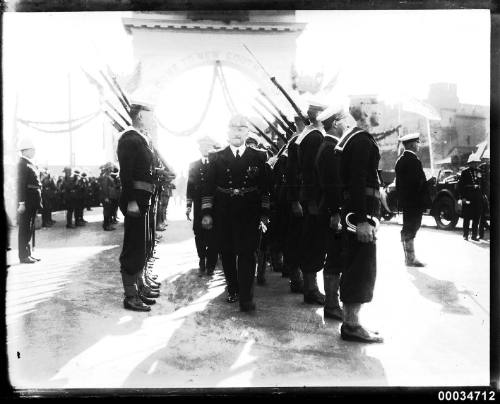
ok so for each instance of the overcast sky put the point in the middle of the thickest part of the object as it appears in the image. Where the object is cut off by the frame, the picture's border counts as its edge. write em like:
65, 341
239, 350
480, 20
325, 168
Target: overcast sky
377, 52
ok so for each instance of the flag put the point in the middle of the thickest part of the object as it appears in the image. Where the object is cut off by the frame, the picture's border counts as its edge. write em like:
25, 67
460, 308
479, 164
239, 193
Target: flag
421, 108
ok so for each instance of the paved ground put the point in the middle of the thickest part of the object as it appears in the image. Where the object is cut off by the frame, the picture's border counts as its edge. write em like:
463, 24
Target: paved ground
67, 327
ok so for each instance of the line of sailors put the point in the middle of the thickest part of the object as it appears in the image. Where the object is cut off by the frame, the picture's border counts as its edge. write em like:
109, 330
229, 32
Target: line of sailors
320, 200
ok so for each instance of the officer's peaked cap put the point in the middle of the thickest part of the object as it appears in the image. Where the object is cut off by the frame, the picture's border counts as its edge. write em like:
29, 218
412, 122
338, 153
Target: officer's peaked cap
238, 120
410, 137
26, 143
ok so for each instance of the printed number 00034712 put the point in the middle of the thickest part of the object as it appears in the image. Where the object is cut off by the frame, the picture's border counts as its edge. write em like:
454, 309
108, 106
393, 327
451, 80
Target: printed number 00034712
466, 396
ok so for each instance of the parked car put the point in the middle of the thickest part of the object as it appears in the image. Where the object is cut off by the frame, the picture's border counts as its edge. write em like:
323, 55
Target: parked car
446, 206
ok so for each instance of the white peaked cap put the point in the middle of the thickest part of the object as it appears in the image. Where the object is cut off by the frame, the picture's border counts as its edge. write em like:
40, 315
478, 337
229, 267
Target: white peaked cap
238, 120
26, 143
409, 137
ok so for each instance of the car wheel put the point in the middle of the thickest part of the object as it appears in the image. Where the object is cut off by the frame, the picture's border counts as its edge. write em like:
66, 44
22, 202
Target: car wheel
445, 215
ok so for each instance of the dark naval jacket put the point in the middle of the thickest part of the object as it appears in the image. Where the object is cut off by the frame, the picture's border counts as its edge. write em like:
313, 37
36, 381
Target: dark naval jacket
306, 158
197, 178
358, 171
237, 186
411, 183
469, 188
328, 176
29, 188
136, 159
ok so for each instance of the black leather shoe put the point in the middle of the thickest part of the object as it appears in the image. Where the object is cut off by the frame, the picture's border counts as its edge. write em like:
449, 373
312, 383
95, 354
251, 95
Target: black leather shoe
135, 303
210, 271
232, 298
152, 286
145, 291
146, 300
70, 226
153, 282
27, 260
466, 237
314, 297
247, 306
359, 334
475, 238
80, 224
34, 258
296, 287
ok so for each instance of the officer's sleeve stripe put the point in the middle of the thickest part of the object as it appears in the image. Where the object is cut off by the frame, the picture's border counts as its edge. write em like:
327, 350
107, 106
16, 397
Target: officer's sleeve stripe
207, 202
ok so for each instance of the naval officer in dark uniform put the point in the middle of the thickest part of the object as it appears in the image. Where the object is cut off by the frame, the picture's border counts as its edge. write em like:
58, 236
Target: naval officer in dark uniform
135, 157
29, 196
236, 202
469, 190
359, 217
205, 241
413, 196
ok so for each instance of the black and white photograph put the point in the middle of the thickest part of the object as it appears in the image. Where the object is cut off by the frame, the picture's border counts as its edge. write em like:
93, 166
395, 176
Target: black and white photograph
203, 200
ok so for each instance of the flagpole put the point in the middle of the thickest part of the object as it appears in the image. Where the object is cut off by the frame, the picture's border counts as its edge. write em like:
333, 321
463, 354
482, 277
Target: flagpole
431, 156
71, 159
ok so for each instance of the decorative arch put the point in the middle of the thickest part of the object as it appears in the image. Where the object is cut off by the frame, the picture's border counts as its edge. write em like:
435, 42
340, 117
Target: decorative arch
167, 44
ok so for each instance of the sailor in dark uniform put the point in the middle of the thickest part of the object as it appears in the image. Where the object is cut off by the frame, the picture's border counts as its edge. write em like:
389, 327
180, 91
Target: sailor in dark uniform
29, 195
469, 189
205, 240
413, 195
311, 241
291, 254
69, 192
135, 157
359, 217
329, 206
237, 197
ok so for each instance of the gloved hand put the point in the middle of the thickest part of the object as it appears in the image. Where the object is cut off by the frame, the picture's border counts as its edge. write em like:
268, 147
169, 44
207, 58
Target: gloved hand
133, 209
188, 212
206, 222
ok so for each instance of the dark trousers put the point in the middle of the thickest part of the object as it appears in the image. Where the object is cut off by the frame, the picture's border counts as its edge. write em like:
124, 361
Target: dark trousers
291, 253
312, 243
475, 225
278, 227
133, 256
238, 237
359, 261
332, 246
206, 247
79, 207
26, 229
46, 213
70, 211
412, 220
107, 211
113, 208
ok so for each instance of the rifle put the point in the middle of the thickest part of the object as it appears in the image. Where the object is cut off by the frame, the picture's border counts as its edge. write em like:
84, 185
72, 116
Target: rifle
282, 90
287, 130
291, 125
118, 113
115, 124
113, 77
124, 104
271, 125
259, 132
